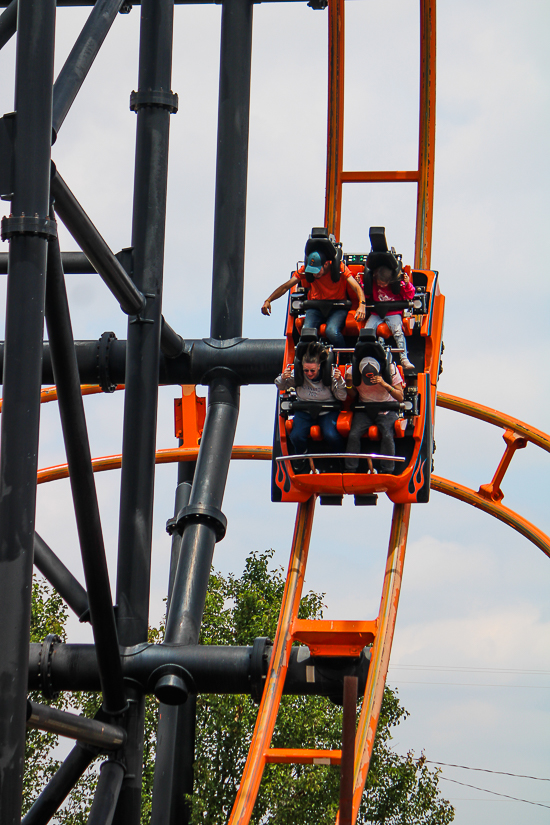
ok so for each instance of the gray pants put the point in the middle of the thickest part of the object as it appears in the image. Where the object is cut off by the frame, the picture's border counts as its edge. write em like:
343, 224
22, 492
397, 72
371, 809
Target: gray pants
360, 424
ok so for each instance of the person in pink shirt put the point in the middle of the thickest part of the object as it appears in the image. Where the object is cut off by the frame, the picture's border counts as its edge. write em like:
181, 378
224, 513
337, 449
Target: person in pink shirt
374, 388
388, 286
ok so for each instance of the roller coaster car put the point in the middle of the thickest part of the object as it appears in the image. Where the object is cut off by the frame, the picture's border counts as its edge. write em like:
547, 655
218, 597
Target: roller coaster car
410, 482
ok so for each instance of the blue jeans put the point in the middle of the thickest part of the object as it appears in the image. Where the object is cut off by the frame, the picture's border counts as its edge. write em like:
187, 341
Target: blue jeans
300, 431
335, 322
396, 329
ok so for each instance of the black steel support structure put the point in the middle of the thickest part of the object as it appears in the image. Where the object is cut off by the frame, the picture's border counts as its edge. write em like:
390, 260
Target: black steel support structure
153, 102
201, 522
28, 230
120, 664
75, 434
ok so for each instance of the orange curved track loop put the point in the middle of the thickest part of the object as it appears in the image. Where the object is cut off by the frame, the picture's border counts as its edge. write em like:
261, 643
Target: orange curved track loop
50, 393
499, 511
169, 456
267, 713
492, 416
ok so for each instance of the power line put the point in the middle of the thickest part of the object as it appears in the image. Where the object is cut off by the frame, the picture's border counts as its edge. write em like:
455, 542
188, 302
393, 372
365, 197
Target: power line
486, 790
487, 770
461, 669
467, 684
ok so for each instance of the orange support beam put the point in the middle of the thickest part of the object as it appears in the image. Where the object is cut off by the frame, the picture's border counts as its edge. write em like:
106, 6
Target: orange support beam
492, 490
426, 140
302, 756
334, 638
273, 690
335, 136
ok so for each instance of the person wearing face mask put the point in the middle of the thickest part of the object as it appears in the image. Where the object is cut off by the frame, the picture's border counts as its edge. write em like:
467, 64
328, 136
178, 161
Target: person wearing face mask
326, 280
314, 390
384, 283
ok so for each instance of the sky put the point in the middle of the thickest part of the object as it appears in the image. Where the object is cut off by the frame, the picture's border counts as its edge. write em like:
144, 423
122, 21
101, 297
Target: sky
470, 655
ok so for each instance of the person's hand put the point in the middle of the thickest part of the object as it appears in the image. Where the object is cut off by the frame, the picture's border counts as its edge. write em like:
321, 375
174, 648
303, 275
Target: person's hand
377, 379
360, 313
287, 373
266, 307
406, 277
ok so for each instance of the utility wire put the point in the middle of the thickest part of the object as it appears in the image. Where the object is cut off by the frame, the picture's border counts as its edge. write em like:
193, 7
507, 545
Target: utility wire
486, 790
486, 770
466, 684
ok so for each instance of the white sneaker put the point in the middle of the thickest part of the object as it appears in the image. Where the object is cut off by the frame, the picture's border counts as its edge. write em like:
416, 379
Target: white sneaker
406, 364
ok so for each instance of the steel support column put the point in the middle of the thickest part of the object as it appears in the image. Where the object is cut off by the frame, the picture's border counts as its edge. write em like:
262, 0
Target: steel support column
22, 378
153, 103
201, 522
79, 459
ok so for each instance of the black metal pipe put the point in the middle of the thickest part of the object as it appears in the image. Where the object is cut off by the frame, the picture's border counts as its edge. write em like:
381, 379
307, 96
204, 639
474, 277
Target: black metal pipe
199, 532
115, 277
88, 521
153, 102
212, 668
80, 60
8, 23
231, 169
95, 247
107, 793
60, 785
27, 230
74, 263
173, 782
90, 731
68, 587
348, 750
250, 361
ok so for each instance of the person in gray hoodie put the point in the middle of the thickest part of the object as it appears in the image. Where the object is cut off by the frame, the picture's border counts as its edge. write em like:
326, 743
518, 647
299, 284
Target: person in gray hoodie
313, 389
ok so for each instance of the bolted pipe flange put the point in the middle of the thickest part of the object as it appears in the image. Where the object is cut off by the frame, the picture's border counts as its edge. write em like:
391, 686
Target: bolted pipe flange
46, 652
198, 514
171, 684
103, 352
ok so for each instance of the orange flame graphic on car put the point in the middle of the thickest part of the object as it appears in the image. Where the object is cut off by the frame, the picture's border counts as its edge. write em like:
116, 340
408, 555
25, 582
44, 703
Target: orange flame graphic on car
418, 478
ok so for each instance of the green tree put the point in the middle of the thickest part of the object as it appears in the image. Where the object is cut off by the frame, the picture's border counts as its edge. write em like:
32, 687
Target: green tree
400, 790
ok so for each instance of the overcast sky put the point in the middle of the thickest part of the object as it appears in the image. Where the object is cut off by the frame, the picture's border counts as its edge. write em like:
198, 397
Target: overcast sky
470, 655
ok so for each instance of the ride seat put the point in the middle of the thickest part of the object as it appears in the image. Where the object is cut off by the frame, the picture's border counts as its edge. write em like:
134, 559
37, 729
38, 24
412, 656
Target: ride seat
314, 431
343, 425
351, 327
384, 330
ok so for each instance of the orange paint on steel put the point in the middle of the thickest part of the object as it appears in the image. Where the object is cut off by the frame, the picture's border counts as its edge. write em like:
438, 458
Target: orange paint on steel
492, 416
379, 177
492, 490
426, 140
273, 690
326, 637
499, 511
335, 128
50, 393
113, 462
378, 668
301, 756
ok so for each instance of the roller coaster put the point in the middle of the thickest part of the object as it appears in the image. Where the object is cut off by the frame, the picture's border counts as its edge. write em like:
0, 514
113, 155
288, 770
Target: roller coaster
34, 371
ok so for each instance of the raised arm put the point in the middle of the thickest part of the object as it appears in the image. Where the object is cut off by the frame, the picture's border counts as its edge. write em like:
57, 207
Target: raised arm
277, 293
360, 314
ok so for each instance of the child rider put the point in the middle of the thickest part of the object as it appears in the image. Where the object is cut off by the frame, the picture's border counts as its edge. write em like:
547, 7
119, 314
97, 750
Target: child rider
381, 291
374, 388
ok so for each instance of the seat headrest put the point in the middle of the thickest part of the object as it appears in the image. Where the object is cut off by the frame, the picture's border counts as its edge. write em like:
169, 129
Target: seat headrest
309, 336
321, 241
368, 345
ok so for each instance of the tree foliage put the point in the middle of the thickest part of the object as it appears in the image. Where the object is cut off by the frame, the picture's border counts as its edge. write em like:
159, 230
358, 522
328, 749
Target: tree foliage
400, 790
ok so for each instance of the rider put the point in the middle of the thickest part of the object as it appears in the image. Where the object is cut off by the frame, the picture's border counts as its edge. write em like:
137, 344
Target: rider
374, 388
328, 279
314, 389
